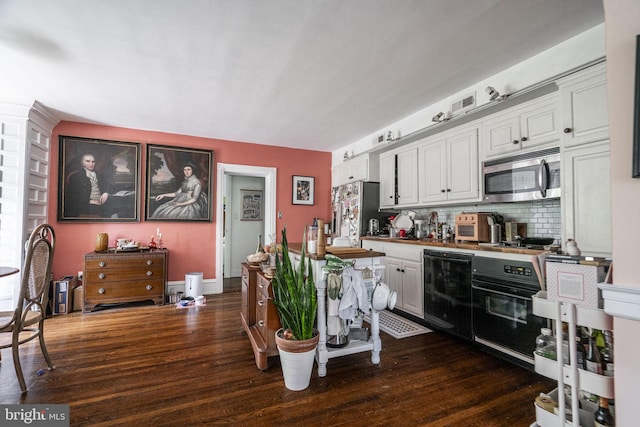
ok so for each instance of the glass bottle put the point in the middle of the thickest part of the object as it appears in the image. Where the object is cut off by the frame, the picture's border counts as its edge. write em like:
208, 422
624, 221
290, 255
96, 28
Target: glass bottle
606, 354
581, 353
545, 344
602, 417
259, 249
593, 361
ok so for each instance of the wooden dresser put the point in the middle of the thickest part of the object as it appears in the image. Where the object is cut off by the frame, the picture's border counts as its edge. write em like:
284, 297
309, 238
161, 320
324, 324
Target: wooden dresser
260, 317
119, 277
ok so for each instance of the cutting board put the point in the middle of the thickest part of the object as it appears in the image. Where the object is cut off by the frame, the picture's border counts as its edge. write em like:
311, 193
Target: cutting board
338, 250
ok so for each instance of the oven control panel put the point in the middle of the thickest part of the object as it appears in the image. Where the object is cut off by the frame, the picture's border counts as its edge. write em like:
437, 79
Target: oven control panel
518, 271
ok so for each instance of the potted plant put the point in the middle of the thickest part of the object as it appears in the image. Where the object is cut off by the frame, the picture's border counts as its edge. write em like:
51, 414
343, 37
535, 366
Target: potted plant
294, 295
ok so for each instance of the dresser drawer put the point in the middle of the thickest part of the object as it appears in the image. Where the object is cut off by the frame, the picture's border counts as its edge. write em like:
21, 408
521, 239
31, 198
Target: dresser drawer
139, 261
109, 290
124, 273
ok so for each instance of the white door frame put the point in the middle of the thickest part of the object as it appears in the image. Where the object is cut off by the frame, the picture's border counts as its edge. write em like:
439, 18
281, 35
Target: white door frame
269, 175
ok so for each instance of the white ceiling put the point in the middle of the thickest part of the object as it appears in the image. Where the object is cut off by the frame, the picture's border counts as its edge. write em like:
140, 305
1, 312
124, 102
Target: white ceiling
313, 74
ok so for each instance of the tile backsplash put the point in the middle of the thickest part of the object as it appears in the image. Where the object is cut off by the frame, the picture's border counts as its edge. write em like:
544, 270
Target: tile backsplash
543, 217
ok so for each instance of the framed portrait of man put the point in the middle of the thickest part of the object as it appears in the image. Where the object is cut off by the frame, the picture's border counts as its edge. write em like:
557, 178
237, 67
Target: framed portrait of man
98, 180
179, 182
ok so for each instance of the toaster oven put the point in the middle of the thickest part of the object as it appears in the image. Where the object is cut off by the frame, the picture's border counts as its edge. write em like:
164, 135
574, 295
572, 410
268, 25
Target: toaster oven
473, 227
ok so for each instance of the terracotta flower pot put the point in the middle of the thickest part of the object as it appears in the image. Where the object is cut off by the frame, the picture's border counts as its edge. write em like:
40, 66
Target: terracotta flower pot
296, 359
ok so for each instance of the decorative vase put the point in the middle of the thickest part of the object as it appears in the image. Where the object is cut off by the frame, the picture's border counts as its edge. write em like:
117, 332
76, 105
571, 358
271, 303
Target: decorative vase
296, 359
102, 242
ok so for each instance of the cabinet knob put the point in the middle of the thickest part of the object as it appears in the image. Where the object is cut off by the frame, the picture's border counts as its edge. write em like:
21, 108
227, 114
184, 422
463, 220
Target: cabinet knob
515, 141
102, 263
101, 291
101, 276
261, 323
397, 269
442, 191
149, 262
448, 190
149, 287
568, 130
261, 303
524, 138
402, 271
149, 273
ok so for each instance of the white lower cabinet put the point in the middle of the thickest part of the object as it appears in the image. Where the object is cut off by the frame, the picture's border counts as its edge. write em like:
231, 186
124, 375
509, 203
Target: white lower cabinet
570, 374
405, 277
403, 274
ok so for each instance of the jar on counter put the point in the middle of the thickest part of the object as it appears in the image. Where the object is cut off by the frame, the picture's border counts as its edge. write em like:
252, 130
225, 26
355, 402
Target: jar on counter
546, 344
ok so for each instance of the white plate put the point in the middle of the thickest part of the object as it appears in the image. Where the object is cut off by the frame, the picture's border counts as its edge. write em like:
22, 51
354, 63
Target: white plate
402, 222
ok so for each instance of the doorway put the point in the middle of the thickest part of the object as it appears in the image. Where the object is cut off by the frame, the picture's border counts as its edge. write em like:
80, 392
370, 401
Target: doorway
229, 180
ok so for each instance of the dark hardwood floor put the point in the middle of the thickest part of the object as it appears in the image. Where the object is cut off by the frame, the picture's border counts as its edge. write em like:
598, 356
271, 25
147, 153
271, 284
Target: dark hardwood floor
158, 365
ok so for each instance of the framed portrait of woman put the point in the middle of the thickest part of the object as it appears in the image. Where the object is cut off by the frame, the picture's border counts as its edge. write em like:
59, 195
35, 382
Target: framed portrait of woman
178, 184
98, 180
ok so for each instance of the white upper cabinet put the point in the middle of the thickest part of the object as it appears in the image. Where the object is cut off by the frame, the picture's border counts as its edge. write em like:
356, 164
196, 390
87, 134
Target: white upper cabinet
586, 197
399, 177
583, 97
449, 166
532, 125
363, 167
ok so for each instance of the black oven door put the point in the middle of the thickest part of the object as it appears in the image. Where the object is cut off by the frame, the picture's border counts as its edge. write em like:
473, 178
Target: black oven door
503, 318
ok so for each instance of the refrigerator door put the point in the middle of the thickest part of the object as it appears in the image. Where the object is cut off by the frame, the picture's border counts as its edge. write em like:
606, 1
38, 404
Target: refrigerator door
354, 205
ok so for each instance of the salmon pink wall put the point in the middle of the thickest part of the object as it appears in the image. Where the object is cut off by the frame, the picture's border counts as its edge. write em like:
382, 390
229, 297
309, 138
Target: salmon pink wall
191, 245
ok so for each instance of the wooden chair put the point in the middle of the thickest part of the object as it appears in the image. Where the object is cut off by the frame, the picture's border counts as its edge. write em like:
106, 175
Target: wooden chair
26, 322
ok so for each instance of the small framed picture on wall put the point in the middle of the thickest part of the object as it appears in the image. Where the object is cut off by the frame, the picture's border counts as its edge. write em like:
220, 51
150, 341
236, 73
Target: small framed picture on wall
303, 190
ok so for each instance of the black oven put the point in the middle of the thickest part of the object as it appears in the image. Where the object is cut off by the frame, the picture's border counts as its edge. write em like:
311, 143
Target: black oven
503, 318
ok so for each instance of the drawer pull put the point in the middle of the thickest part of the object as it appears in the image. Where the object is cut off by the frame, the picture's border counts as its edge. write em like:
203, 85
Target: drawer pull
102, 263
261, 323
149, 287
101, 276
149, 261
149, 273
101, 291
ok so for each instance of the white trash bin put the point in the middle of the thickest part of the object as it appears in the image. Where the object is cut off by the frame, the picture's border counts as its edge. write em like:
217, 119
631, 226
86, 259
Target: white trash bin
193, 284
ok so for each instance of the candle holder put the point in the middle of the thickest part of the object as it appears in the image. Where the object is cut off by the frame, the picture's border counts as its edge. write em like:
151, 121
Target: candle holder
159, 243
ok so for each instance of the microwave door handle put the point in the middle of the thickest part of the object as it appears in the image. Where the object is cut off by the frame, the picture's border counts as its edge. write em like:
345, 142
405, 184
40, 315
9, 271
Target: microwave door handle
542, 178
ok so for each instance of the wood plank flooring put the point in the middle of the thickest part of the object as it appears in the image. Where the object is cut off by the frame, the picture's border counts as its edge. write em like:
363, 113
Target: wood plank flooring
162, 366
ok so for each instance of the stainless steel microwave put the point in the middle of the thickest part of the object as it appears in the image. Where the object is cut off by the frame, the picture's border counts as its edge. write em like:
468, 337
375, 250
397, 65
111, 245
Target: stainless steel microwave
530, 176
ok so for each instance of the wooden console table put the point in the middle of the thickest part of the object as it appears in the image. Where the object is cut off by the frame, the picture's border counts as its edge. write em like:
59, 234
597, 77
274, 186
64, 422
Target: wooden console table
259, 315
114, 277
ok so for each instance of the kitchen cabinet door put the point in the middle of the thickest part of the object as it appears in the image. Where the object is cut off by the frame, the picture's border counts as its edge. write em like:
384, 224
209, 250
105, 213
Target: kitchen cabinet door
399, 177
531, 126
407, 177
583, 97
586, 198
393, 278
502, 135
432, 174
360, 168
412, 288
449, 168
387, 179
462, 176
